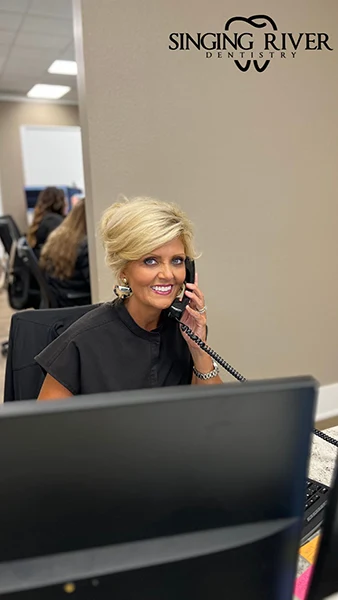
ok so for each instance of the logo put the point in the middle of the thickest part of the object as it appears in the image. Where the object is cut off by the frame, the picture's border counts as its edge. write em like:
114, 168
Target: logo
251, 42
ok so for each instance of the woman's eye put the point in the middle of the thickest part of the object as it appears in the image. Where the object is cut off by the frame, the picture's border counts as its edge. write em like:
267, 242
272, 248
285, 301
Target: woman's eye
152, 261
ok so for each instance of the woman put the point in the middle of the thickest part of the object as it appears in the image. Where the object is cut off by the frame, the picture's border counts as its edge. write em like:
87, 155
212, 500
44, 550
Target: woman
48, 214
131, 343
64, 259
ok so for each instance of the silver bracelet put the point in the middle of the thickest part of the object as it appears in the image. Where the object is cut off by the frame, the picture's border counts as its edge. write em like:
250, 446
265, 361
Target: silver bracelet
209, 375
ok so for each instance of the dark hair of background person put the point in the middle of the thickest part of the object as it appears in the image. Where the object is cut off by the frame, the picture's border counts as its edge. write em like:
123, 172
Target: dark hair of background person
50, 200
60, 252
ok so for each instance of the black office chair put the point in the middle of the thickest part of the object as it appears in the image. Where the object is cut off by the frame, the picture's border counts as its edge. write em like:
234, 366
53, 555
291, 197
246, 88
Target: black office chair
9, 234
27, 286
31, 331
22, 290
48, 300
26, 254
15, 229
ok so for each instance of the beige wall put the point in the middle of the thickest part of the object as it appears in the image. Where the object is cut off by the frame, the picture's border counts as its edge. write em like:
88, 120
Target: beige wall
12, 116
251, 156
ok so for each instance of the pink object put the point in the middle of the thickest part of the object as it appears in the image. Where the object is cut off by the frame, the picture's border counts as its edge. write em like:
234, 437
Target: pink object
302, 584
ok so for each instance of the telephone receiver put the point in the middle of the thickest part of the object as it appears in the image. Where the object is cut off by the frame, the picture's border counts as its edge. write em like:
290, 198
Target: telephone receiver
176, 311
178, 307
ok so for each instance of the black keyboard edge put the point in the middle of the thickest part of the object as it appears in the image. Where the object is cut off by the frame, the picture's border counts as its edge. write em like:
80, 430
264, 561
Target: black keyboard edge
315, 512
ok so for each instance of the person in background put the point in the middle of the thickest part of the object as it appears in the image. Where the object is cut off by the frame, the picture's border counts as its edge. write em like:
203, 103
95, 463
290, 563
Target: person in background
48, 214
64, 259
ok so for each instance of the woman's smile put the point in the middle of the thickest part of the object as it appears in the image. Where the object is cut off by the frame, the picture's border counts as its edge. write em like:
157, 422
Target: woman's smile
162, 290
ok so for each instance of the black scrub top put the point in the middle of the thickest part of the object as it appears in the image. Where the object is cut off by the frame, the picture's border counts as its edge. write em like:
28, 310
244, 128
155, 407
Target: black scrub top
49, 222
105, 350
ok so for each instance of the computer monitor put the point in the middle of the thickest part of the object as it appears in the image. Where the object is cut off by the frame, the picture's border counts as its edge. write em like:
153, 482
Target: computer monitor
193, 492
325, 575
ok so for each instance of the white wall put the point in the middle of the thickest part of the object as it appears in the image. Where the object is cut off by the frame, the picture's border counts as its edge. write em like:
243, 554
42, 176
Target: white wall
52, 156
12, 116
252, 157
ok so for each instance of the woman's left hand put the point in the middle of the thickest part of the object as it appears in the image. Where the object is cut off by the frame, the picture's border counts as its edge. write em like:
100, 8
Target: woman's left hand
195, 320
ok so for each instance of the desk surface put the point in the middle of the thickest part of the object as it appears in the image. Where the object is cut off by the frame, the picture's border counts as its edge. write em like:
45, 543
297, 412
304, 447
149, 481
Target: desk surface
323, 457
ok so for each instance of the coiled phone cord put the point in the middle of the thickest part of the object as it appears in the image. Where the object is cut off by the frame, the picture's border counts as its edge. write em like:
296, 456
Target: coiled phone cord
235, 373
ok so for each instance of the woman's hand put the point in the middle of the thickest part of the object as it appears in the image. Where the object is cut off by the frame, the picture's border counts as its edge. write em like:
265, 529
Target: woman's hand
195, 320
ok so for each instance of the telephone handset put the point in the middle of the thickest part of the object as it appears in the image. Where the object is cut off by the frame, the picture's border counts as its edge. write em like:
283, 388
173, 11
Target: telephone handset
177, 308
176, 311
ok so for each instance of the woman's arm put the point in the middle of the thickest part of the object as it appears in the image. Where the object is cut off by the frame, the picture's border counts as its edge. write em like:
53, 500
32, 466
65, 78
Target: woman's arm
53, 390
195, 318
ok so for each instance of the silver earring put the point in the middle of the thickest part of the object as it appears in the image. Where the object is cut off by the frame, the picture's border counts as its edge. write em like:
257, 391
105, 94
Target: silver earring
123, 291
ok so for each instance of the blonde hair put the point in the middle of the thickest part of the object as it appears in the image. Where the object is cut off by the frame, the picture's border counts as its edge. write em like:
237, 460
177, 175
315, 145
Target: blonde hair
133, 228
59, 254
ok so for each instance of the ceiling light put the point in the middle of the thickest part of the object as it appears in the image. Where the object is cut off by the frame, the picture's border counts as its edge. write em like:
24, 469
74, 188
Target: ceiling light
63, 67
42, 90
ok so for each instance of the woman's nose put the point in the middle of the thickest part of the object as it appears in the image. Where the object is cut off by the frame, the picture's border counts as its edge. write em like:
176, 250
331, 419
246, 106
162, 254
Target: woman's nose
166, 272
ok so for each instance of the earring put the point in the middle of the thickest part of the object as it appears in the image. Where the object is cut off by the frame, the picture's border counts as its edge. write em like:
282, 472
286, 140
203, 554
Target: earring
123, 291
181, 292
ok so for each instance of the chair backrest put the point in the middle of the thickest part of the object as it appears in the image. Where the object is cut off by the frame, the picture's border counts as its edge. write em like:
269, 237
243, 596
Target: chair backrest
27, 255
31, 331
9, 232
15, 229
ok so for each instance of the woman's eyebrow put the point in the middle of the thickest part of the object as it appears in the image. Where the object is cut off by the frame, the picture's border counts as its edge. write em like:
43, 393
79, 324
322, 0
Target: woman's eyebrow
179, 255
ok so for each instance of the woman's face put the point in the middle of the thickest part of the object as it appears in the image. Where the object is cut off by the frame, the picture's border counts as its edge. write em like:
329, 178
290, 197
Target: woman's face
156, 279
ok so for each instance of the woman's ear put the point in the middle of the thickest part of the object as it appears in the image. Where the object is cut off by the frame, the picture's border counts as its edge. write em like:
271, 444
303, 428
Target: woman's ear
123, 276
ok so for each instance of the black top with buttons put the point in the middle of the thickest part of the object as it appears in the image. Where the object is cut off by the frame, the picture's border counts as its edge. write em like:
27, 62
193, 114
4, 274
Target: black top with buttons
105, 350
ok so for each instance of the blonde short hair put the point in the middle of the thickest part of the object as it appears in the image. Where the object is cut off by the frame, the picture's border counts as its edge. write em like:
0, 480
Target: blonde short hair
133, 228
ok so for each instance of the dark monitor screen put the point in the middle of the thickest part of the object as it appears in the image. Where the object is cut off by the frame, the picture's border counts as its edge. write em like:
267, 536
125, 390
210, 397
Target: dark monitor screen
190, 492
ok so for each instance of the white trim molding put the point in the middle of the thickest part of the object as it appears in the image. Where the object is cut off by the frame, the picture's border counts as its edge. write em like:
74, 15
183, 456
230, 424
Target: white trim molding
327, 402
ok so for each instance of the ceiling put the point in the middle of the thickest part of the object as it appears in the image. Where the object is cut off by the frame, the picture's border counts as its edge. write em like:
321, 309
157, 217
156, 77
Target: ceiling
34, 33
